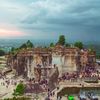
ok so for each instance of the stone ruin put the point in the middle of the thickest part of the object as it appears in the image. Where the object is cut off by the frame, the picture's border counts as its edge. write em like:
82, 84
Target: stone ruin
39, 63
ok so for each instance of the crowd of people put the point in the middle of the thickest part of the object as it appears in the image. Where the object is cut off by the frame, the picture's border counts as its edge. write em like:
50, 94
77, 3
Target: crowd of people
87, 72
4, 81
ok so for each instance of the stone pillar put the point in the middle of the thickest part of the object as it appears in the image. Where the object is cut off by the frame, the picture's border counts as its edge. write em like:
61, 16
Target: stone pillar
32, 69
28, 68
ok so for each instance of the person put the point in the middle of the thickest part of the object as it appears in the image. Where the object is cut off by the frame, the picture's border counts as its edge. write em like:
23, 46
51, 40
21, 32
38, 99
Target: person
59, 98
47, 98
53, 93
57, 88
6, 86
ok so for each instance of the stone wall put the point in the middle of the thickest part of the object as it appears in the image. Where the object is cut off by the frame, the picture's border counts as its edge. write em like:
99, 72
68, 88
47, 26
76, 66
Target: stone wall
66, 59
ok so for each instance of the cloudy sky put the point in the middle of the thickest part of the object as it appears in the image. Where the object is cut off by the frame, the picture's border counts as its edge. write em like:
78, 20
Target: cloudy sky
47, 19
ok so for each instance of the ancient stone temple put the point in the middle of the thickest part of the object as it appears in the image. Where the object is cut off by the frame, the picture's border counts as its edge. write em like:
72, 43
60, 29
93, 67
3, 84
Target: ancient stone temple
71, 60
29, 63
87, 58
42, 63
58, 57
38, 63
67, 59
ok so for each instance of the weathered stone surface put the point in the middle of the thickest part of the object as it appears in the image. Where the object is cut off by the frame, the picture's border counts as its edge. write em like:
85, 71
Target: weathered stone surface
66, 59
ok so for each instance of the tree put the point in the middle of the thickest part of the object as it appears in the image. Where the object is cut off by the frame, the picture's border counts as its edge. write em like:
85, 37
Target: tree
91, 49
61, 40
12, 49
2, 52
98, 55
19, 89
67, 45
23, 46
29, 44
79, 45
51, 44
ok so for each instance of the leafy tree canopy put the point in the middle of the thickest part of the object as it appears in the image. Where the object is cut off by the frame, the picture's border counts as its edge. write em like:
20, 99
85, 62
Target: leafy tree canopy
19, 89
23, 46
28, 44
51, 44
2, 53
78, 44
61, 40
67, 45
91, 49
